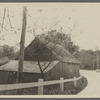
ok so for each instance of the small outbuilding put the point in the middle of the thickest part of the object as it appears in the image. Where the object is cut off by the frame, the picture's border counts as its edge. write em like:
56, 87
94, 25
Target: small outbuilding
55, 62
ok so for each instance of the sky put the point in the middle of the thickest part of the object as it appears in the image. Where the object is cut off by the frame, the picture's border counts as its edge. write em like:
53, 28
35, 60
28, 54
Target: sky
82, 20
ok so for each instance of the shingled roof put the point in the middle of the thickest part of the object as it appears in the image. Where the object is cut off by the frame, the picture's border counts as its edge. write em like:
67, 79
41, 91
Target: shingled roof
29, 66
58, 52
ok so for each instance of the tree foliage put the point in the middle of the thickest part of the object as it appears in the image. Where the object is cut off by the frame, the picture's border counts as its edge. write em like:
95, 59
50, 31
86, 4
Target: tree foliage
7, 51
88, 59
62, 39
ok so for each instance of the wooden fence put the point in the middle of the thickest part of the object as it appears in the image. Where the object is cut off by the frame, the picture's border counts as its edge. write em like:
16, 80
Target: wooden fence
39, 84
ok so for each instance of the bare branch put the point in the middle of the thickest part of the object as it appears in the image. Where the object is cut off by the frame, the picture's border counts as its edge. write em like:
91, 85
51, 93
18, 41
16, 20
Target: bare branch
9, 19
2, 26
3, 17
50, 59
53, 26
40, 66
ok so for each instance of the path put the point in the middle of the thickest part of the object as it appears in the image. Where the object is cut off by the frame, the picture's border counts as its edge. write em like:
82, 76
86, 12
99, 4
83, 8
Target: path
93, 87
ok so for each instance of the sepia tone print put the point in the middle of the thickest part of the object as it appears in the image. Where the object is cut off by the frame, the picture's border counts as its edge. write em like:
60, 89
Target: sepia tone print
50, 49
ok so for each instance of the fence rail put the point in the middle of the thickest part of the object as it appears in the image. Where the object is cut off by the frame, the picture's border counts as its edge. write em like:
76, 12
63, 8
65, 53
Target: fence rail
38, 84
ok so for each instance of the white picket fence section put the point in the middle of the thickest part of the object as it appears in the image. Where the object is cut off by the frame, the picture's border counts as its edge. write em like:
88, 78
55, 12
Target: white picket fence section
39, 84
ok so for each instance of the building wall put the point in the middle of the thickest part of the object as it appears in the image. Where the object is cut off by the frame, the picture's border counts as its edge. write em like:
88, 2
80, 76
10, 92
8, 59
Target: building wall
60, 70
8, 77
64, 70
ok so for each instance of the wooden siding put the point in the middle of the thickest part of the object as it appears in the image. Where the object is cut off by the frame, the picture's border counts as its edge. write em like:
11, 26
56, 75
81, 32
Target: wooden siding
60, 70
63, 70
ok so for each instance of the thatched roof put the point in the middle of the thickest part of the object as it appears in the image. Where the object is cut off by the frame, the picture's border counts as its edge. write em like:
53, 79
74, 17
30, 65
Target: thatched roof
29, 66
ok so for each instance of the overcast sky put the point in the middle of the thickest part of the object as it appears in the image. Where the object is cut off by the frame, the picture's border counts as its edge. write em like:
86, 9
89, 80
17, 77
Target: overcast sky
82, 18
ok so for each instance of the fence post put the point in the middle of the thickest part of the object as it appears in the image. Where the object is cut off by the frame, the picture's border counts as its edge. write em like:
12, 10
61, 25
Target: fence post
62, 84
40, 88
75, 82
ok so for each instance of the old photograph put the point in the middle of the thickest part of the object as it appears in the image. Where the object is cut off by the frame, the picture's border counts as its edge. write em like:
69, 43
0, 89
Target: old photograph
50, 49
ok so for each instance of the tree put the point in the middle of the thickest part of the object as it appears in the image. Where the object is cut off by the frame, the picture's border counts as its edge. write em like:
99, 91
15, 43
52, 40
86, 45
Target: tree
87, 58
62, 39
39, 48
7, 51
37, 51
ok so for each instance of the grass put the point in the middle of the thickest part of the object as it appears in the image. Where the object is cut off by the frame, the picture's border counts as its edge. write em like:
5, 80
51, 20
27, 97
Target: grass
69, 89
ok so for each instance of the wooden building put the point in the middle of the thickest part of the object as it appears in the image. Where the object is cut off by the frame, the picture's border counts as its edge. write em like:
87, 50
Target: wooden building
54, 59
